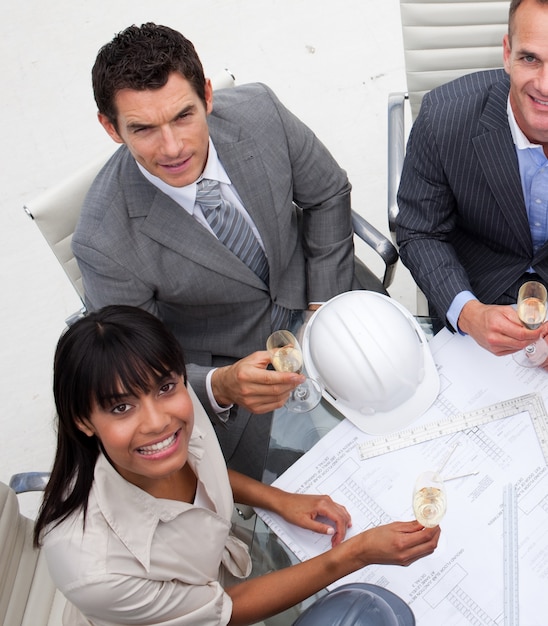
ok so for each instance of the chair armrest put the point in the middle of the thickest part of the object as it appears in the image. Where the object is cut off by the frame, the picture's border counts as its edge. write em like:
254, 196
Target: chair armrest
381, 244
244, 511
396, 152
29, 481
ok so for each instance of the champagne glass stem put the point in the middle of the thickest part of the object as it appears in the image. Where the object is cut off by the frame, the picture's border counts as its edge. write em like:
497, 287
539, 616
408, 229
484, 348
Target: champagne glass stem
531, 308
286, 356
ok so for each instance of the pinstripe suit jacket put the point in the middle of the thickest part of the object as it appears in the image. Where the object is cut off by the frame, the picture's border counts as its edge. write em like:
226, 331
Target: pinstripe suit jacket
462, 222
134, 245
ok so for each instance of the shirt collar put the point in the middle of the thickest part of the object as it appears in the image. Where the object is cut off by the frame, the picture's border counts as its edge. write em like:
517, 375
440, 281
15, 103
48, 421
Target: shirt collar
520, 140
186, 196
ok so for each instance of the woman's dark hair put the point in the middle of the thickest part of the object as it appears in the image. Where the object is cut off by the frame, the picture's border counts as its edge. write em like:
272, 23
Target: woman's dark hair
142, 58
113, 349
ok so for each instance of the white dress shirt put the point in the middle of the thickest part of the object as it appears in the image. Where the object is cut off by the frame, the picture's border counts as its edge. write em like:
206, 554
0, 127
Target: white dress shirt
186, 196
145, 560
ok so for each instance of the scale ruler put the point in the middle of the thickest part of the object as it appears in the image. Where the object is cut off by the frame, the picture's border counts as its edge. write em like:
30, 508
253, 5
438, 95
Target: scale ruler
532, 402
511, 554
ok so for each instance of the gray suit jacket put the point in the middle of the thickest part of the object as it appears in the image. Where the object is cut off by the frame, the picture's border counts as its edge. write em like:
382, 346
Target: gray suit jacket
462, 222
134, 245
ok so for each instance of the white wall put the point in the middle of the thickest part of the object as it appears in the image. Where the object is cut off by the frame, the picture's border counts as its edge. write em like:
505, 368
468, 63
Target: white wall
333, 64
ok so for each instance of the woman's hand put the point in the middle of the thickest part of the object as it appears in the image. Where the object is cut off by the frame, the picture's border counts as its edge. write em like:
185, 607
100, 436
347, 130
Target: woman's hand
313, 512
397, 543
318, 513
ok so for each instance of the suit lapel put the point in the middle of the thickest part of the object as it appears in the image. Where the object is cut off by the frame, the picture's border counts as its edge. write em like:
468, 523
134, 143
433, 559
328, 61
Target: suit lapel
171, 226
497, 155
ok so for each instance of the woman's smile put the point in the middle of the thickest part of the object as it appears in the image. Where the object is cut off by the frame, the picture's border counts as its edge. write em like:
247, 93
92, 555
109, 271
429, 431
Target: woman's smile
163, 446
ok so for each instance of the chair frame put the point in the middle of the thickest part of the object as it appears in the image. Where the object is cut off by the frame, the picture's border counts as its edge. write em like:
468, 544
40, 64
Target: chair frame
28, 596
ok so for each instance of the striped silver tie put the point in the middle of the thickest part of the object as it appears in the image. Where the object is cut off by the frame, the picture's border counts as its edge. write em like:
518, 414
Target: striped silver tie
236, 234
231, 228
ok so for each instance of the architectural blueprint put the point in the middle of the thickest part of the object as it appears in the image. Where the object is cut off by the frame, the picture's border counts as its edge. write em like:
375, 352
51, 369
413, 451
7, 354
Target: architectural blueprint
462, 582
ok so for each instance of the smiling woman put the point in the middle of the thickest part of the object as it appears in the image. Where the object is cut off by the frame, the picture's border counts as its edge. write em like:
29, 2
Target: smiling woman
145, 434
136, 518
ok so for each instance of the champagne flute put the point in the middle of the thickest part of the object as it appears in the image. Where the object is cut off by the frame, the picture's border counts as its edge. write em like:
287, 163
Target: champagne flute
531, 307
429, 499
286, 356
429, 495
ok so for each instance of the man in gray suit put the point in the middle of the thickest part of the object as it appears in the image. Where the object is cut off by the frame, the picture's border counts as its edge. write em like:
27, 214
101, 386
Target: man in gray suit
143, 238
473, 219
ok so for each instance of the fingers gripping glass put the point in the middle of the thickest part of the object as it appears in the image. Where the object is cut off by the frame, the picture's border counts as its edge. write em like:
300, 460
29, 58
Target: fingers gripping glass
286, 355
531, 307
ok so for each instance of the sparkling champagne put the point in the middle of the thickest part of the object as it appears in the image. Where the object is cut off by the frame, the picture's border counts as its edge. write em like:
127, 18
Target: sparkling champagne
287, 359
286, 356
532, 312
429, 499
429, 505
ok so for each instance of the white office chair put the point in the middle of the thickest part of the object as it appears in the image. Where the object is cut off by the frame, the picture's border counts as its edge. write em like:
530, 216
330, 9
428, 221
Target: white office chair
56, 213
28, 596
442, 40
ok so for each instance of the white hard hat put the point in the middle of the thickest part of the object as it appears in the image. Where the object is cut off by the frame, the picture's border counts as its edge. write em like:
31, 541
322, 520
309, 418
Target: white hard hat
373, 360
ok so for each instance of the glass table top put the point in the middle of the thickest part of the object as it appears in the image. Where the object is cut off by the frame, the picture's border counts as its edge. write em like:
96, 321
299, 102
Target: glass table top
292, 435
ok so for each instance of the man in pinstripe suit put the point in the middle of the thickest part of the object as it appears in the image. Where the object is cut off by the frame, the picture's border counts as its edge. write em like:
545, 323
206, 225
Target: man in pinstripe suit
473, 199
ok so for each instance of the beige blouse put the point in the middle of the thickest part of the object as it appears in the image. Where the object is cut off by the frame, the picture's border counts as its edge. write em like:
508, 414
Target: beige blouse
143, 560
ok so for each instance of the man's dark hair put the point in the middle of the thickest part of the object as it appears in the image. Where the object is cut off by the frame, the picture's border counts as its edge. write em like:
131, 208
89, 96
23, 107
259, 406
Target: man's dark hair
142, 58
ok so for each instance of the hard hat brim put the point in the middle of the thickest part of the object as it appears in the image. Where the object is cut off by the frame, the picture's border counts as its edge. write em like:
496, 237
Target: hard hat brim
353, 598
